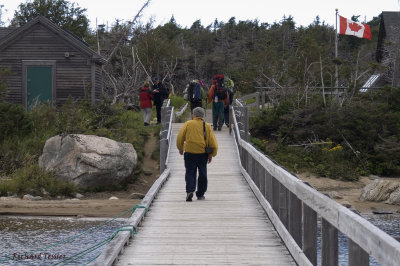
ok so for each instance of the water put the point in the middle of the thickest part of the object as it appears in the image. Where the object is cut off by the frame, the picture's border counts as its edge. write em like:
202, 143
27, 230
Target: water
388, 223
50, 241
40, 238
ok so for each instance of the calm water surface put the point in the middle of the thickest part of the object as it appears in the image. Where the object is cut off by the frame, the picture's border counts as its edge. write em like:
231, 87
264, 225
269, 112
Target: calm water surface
389, 223
52, 241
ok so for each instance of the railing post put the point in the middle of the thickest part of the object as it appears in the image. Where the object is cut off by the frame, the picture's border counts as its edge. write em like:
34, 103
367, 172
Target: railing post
329, 244
261, 179
163, 135
275, 195
163, 153
257, 102
263, 99
230, 119
246, 123
310, 229
295, 215
357, 256
268, 186
283, 205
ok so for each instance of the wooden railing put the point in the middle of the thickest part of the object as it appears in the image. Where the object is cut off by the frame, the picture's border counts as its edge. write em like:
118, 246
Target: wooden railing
259, 100
294, 207
121, 239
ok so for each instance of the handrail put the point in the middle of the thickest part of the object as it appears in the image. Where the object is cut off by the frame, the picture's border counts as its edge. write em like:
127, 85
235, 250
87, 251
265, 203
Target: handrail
115, 246
169, 135
282, 195
181, 110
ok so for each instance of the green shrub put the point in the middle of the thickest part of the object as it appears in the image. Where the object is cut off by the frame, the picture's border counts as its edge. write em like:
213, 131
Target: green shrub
13, 121
177, 102
35, 180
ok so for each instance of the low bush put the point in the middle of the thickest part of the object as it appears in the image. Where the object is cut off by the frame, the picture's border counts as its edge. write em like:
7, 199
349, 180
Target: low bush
34, 180
362, 136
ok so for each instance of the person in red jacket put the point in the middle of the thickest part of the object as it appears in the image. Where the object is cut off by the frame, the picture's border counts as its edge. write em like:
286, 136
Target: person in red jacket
145, 103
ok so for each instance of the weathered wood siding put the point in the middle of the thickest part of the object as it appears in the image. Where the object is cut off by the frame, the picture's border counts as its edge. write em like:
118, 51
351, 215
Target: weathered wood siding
73, 73
99, 82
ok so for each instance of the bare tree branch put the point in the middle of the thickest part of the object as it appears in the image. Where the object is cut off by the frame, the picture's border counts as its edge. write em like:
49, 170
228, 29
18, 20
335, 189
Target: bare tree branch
127, 31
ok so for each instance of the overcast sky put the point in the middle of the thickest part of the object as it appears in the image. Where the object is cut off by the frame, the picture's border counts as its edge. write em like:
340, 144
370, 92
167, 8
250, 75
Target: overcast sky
188, 11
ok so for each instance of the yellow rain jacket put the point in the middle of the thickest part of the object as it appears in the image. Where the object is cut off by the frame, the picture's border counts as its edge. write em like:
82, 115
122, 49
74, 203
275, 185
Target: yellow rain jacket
191, 138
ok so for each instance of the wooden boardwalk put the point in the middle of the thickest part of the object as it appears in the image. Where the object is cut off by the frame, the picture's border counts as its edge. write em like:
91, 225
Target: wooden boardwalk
228, 228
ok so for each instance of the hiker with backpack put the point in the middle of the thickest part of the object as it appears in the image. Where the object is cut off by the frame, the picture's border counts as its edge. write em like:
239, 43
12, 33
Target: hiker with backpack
219, 96
194, 93
229, 85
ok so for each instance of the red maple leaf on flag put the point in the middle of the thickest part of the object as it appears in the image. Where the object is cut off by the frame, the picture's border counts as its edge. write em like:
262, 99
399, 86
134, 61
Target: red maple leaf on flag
354, 27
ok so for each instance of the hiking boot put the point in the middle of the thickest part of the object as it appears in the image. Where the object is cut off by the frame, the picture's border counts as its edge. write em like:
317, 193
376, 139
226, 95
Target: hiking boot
189, 196
201, 198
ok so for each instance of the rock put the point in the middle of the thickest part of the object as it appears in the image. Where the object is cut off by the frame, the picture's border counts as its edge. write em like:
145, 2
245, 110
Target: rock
136, 196
44, 192
346, 204
355, 210
379, 190
27, 197
7, 198
394, 197
147, 172
373, 177
375, 211
88, 161
335, 195
78, 196
113, 198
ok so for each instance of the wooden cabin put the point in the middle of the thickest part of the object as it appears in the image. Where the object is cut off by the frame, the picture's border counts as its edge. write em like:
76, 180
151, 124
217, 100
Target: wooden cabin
48, 63
387, 52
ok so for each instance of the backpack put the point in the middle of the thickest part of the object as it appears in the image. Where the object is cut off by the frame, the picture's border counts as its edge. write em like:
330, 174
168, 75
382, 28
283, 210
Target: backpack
220, 89
194, 92
229, 83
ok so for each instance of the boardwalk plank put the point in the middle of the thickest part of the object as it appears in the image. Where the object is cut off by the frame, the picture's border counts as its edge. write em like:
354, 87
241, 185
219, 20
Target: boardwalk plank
228, 228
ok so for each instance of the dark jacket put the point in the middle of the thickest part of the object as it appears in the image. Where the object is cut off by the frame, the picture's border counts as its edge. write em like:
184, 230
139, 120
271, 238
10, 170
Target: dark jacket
160, 93
145, 98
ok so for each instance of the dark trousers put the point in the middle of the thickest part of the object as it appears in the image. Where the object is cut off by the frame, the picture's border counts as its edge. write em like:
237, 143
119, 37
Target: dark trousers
218, 114
194, 105
158, 109
226, 115
192, 163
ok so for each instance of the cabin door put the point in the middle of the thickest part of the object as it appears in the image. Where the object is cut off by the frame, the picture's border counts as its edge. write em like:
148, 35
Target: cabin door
38, 84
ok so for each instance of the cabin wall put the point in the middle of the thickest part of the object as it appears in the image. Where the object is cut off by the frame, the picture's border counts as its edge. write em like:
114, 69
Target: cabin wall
73, 69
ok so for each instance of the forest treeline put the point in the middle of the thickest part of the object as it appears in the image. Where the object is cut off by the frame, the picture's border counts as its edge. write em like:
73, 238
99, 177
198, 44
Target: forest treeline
305, 129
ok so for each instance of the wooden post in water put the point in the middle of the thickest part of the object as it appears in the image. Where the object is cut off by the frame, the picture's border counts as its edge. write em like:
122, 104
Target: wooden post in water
295, 215
330, 247
357, 256
310, 229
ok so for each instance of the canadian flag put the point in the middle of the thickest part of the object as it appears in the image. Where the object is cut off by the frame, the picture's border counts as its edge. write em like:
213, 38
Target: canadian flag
349, 27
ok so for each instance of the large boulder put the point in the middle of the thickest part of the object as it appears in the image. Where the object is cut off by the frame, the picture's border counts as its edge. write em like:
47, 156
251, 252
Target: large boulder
88, 161
379, 190
394, 197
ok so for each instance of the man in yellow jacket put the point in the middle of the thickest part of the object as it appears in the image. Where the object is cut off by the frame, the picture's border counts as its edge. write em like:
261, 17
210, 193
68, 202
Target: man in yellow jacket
192, 140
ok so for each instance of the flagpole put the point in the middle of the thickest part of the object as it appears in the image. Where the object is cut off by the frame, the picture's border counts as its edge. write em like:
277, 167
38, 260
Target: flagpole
336, 55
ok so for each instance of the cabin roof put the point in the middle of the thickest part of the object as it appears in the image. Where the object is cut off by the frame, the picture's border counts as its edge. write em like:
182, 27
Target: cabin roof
5, 31
391, 22
10, 35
